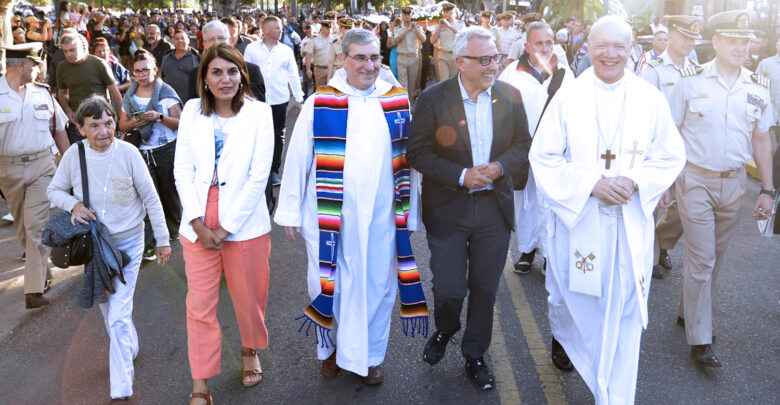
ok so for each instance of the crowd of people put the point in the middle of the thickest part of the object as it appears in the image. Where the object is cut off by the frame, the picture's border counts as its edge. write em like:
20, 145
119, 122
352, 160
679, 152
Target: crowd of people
470, 130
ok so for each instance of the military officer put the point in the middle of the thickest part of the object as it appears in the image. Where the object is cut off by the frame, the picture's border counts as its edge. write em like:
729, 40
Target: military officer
663, 72
486, 16
507, 36
335, 61
27, 110
443, 38
320, 47
409, 38
724, 113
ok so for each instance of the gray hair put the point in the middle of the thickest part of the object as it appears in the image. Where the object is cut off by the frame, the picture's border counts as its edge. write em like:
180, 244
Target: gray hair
611, 26
357, 36
94, 107
466, 35
75, 38
216, 25
537, 26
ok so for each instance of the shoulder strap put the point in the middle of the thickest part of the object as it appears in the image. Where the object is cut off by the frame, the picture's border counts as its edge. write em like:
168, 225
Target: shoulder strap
54, 110
555, 84
83, 164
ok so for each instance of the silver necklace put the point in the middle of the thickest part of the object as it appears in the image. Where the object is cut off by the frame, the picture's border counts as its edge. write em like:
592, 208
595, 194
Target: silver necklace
219, 124
108, 175
607, 155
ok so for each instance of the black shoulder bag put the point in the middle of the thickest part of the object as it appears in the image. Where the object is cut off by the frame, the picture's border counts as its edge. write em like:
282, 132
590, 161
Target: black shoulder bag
77, 251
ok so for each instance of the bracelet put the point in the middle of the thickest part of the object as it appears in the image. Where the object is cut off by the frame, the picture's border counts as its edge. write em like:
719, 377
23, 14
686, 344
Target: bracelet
772, 193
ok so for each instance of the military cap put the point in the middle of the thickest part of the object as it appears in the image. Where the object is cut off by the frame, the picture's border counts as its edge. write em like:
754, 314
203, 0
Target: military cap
406, 9
326, 23
331, 15
487, 13
446, 5
503, 16
531, 17
30, 50
734, 23
513, 12
346, 22
688, 25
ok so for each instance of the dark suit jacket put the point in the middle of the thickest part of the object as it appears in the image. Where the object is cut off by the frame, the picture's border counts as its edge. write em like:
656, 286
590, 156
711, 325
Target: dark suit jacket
255, 80
440, 148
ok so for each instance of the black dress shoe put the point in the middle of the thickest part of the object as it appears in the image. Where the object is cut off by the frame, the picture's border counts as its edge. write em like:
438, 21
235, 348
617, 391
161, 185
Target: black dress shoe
523, 265
435, 348
35, 300
664, 260
560, 358
657, 272
480, 373
703, 356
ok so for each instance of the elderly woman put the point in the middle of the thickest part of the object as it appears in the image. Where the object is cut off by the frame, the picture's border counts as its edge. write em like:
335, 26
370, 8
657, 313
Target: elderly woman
223, 157
151, 108
121, 194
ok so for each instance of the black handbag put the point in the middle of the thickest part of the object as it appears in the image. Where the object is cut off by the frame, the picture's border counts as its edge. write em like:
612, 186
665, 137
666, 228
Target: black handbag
133, 137
78, 250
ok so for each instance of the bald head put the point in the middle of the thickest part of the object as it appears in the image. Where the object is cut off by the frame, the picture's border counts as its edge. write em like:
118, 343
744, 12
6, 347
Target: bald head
612, 27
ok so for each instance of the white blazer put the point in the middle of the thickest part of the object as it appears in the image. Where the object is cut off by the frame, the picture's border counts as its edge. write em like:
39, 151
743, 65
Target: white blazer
242, 170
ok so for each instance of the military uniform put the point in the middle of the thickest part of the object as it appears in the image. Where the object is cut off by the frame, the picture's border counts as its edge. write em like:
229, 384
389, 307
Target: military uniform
335, 61
26, 169
320, 47
444, 58
408, 59
717, 125
505, 39
662, 73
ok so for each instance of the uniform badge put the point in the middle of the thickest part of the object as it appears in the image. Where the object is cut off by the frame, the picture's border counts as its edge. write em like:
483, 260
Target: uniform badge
755, 100
5, 110
743, 22
41, 107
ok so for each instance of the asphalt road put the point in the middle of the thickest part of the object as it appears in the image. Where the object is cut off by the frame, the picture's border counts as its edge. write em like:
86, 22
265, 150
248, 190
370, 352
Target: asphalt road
59, 354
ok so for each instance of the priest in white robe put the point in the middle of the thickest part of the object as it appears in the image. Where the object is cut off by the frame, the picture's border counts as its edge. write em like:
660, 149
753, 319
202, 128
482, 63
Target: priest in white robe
366, 259
604, 153
533, 74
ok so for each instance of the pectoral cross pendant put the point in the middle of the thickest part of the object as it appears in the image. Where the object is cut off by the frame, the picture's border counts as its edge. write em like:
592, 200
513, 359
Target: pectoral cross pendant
608, 157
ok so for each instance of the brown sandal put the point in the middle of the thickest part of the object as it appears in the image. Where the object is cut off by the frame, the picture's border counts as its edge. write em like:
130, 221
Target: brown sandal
206, 396
251, 377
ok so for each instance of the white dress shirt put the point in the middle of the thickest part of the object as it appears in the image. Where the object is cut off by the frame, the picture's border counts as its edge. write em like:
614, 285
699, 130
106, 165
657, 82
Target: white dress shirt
279, 70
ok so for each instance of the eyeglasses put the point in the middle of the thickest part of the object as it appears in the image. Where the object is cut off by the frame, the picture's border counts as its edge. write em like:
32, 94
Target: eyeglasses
485, 60
219, 39
141, 72
364, 58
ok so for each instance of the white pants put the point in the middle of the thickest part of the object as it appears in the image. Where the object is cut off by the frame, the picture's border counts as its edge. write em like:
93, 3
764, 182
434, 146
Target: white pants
118, 314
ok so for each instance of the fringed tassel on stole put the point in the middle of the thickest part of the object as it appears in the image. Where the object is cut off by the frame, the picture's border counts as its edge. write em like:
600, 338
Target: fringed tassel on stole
322, 334
417, 324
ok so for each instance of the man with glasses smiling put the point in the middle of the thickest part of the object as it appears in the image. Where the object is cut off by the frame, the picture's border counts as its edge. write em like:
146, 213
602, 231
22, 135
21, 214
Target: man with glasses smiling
345, 189
469, 139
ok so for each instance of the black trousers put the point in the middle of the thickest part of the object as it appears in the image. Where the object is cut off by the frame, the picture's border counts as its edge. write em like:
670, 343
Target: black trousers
159, 161
470, 259
279, 112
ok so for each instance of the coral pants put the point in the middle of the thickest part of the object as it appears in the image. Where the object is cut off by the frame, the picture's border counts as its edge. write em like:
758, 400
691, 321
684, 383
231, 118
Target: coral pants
245, 264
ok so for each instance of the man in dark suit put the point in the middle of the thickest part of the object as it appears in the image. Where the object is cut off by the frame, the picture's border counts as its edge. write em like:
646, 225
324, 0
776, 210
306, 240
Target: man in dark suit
469, 139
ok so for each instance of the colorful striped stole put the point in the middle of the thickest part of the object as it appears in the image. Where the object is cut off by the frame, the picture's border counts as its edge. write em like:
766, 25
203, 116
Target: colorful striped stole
330, 136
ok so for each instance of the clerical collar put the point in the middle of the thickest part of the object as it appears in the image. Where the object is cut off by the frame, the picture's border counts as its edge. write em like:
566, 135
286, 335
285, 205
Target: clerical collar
609, 86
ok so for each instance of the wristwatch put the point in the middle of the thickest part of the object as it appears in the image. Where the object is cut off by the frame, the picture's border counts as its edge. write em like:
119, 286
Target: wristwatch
159, 117
772, 193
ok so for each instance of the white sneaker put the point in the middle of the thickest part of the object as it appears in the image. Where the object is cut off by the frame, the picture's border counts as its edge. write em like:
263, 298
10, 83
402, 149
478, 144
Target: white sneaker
8, 217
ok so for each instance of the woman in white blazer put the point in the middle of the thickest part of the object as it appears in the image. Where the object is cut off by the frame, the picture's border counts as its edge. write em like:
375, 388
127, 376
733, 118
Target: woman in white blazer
223, 158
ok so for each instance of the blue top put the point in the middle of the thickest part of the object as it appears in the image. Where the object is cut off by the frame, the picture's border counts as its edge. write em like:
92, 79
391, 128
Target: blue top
479, 116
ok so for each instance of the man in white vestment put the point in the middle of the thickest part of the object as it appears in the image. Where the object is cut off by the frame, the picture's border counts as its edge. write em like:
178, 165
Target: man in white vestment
366, 261
533, 74
604, 153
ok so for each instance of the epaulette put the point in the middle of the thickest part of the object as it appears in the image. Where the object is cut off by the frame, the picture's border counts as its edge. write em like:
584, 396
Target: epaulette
691, 71
760, 80
334, 41
39, 84
385, 67
655, 62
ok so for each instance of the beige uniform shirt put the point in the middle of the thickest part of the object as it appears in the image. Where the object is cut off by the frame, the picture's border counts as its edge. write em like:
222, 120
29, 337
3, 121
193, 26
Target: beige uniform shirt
320, 48
447, 37
306, 46
507, 38
24, 125
408, 45
334, 54
664, 74
717, 123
